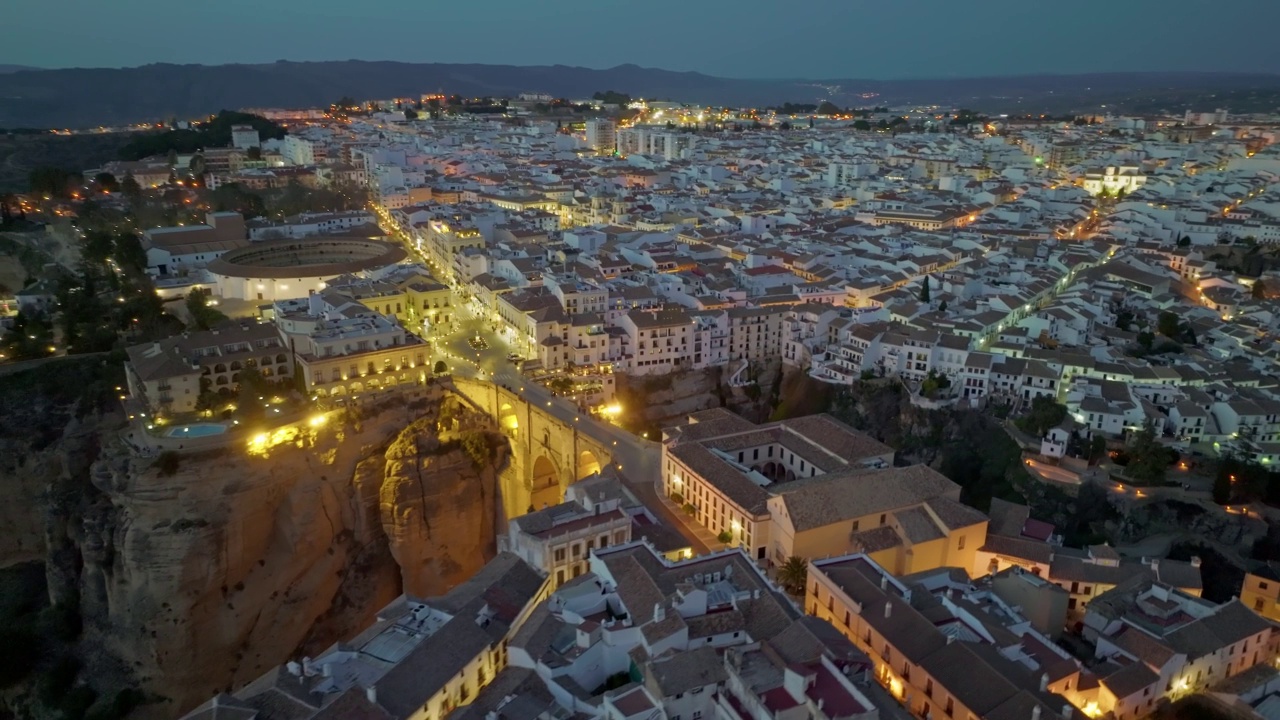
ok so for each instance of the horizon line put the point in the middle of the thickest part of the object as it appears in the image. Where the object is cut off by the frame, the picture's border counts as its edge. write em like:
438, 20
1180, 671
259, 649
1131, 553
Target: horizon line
11, 68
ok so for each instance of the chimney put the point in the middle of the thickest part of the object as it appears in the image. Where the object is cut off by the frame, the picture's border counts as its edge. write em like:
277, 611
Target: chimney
888, 608
884, 582
1044, 682
1035, 712
951, 639
1195, 561
1067, 711
659, 613
371, 693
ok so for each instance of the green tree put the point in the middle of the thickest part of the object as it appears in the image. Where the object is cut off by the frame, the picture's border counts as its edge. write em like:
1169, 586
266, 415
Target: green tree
168, 462
1184, 241
97, 246
1259, 291
1168, 325
202, 314
924, 290
28, 337
234, 197
861, 125
252, 393
441, 368
1045, 414
932, 383
171, 158
253, 153
1097, 448
793, 575
131, 189
476, 446
410, 114
942, 306
610, 97
52, 181
107, 181
1222, 485
828, 108
1145, 340
1148, 459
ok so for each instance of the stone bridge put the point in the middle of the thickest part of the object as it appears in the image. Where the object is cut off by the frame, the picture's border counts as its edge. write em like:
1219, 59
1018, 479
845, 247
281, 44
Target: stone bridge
548, 453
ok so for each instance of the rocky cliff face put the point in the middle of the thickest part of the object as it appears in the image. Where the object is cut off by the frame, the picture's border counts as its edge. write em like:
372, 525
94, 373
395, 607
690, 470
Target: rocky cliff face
440, 497
663, 400
201, 580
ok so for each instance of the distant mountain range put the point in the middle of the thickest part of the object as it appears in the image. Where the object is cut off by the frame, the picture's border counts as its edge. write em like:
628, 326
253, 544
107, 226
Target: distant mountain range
80, 97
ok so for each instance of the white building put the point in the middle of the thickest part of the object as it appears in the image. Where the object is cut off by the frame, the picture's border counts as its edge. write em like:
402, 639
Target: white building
1114, 180
244, 137
602, 135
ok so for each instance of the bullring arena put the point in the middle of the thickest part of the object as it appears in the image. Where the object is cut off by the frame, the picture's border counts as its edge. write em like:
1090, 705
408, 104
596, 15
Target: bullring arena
281, 269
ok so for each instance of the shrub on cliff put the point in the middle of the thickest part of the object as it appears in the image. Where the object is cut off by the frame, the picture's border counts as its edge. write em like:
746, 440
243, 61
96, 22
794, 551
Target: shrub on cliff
476, 445
168, 462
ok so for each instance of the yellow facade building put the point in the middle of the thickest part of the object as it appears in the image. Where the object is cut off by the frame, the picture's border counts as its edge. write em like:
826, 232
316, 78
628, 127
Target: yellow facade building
1260, 591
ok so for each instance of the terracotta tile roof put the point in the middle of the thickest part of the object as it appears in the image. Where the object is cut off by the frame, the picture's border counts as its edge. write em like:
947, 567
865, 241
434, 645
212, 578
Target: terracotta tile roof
826, 499
1130, 680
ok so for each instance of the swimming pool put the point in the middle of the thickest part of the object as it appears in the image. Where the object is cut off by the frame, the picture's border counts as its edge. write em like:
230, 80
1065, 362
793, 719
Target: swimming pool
197, 430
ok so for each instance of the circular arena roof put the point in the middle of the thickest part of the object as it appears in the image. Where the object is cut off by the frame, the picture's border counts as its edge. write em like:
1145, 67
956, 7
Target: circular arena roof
306, 257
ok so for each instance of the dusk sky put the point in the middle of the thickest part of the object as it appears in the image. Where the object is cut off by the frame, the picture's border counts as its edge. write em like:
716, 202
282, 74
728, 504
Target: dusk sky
744, 38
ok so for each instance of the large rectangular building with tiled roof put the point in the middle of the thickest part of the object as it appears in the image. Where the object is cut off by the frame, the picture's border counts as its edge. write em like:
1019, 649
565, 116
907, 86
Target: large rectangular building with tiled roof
812, 487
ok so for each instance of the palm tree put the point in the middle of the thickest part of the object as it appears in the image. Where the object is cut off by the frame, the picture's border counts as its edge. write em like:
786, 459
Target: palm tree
793, 575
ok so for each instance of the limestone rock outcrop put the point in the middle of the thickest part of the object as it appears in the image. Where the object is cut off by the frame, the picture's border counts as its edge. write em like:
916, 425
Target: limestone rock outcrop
439, 502
199, 581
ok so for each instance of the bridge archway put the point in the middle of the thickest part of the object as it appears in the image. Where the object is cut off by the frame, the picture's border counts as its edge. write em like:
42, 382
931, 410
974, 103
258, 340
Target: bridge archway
545, 490
507, 419
588, 464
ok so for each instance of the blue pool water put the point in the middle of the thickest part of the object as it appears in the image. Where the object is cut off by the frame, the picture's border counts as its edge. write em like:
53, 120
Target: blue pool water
197, 430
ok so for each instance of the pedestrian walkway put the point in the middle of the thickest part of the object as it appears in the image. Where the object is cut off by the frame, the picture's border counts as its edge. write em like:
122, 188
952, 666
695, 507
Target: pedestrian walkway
690, 527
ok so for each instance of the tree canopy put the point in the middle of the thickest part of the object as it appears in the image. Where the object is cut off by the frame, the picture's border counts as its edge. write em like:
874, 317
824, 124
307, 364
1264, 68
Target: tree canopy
1045, 414
53, 181
212, 133
1148, 459
794, 575
612, 97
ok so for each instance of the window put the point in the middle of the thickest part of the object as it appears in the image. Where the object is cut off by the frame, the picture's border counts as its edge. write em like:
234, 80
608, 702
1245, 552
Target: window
559, 554
960, 543
1262, 585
